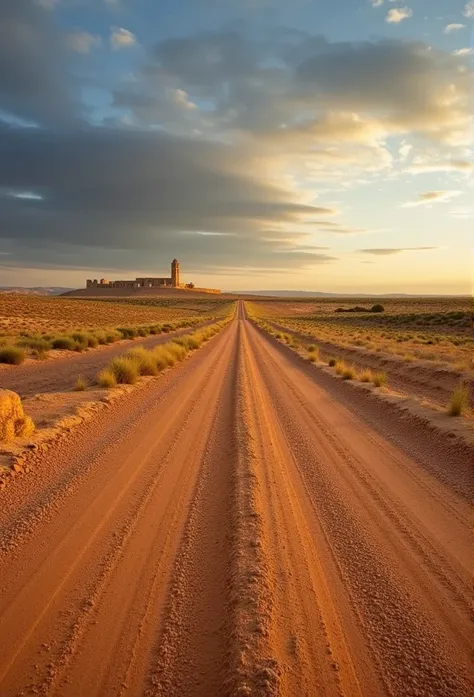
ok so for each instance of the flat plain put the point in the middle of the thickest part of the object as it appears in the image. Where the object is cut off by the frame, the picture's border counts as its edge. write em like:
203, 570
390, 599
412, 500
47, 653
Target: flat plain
249, 522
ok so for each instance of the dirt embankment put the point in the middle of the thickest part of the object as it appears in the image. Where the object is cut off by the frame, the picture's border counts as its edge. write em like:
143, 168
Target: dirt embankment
59, 375
235, 531
415, 378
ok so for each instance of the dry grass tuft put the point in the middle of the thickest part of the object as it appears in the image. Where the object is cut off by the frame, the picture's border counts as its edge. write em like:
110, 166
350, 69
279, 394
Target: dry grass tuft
379, 379
125, 370
459, 402
106, 379
12, 355
366, 376
80, 384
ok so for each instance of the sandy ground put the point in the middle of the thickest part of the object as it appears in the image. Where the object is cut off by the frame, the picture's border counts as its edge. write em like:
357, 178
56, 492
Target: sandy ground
59, 374
236, 529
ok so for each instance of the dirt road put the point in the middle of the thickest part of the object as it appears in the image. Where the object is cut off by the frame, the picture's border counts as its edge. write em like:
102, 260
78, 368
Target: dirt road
59, 374
232, 529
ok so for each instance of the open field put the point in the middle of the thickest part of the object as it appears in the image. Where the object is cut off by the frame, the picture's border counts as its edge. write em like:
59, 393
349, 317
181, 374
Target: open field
30, 326
244, 524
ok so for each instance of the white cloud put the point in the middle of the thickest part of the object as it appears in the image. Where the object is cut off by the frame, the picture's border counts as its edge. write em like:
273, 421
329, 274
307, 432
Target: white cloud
376, 3
453, 27
82, 41
469, 9
431, 197
387, 251
404, 150
464, 52
398, 14
420, 166
180, 98
121, 38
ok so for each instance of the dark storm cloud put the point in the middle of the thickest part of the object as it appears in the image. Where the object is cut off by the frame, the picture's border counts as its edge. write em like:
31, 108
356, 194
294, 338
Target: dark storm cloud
140, 192
33, 81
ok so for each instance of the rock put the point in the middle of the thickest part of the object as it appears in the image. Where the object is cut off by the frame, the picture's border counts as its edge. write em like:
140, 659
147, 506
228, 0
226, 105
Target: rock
13, 421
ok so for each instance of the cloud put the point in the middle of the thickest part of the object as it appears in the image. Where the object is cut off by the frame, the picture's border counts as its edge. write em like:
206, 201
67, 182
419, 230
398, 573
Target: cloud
386, 251
469, 9
449, 28
34, 84
398, 14
431, 197
464, 52
47, 4
376, 3
422, 167
88, 206
121, 38
82, 41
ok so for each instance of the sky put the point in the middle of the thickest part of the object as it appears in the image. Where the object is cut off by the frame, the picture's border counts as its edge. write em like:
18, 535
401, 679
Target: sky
267, 144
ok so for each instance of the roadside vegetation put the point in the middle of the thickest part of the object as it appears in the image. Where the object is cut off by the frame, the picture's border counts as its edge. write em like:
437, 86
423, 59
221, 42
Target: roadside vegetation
32, 326
436, 330
139, 361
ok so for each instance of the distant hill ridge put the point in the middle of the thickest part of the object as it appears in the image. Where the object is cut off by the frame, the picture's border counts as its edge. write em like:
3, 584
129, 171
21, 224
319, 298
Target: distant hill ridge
35, 290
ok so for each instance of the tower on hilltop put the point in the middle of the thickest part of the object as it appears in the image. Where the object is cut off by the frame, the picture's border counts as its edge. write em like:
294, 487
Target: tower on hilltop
175, 273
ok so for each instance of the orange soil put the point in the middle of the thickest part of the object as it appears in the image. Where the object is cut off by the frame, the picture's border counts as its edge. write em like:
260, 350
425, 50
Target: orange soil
232, 529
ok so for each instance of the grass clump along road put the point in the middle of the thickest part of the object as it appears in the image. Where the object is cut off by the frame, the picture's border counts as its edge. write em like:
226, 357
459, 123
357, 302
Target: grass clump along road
32, 326
459, 402
139, 361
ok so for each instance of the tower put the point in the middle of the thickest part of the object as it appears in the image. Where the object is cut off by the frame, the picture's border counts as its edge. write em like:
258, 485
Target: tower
175, 273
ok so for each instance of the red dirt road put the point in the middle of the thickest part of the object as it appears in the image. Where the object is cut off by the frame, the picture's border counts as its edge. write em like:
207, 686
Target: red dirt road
232, 530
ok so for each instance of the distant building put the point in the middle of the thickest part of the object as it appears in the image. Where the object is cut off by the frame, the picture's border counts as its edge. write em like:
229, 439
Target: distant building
148, 282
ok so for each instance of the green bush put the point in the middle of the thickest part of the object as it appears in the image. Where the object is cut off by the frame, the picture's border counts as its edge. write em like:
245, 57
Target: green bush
13, 355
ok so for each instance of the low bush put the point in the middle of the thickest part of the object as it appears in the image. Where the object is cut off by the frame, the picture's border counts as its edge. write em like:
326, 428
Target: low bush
80, 384
459, 401
65, 343
35, 343
144, 360
366, 376
349, 373
332, 362
379, 379
313, 357
106, 379
13, 355
340, 367
125, 370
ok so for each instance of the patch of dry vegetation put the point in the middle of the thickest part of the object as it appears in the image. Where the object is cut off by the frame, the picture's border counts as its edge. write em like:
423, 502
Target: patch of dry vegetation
33, 325
432, 329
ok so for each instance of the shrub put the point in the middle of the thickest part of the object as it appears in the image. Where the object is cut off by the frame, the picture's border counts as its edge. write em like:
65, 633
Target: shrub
113, 336
128, 332
125, 370
332, 362
340, 366
313, 357
92, 341
312, 348
101, 337
349, 373
379, 379
106, 378
377, 308
459, 401
39, 354
366, 376
80, 338
35, 343
145, 360
80, 384
13, 355
66, 343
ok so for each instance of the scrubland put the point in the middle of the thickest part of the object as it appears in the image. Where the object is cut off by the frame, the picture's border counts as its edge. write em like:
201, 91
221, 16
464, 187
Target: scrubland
31, 326
422, 347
